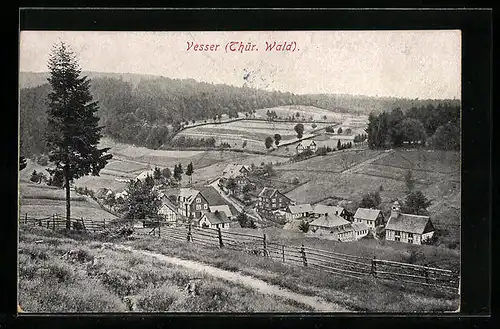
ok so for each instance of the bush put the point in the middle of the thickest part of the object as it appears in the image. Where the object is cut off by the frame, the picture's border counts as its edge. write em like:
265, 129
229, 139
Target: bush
295, 181
304, 227
158, 299
42, 160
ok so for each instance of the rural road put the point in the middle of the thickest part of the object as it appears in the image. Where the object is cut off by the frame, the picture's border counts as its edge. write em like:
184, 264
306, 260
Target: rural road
261, 286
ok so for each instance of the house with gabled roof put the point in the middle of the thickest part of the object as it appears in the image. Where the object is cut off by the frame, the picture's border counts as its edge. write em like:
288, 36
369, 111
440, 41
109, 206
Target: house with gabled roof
321, 209
371, 217
408, 228
191, 203
332, 225
360, 230
298, 211
216, 219
307, 144
271, 199
168, 210
222, 208
235, 170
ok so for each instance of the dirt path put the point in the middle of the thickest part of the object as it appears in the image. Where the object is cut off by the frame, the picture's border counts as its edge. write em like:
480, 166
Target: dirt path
261, 286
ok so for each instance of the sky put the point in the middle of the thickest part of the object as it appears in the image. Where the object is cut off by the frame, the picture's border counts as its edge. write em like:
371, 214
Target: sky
410, 64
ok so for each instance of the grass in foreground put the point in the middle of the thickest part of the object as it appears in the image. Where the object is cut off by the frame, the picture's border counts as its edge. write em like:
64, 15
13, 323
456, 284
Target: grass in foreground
99, 279
358, 295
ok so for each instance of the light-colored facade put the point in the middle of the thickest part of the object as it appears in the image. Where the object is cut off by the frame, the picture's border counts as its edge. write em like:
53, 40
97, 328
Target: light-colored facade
407, 228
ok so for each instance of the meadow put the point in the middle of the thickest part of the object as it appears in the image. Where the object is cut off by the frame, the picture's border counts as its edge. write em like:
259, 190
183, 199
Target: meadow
104, 279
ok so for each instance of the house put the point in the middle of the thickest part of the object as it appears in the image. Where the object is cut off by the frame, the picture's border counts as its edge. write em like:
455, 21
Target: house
371, 217
321, 209
214, 198
271, 199
142, 176
298, 211
308, 144
408, 228
332, 224
234, 170
168, 210
191, 203
360, 230
222, 208
215, 219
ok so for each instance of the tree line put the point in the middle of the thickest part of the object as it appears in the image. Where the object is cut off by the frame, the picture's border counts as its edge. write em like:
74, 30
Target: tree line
434, 126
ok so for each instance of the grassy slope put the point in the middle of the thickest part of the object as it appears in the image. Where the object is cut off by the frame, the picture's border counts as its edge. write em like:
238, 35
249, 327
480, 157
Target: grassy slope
49, 283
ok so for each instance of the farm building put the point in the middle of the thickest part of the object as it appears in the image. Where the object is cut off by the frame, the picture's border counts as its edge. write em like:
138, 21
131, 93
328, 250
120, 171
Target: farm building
222, 208
142, 176
298, 211
360, 230
371, 217
329, 224
215, 199
235, 170
241, 181
321, 209
216, 219
271, 199
408, 228
168, 210
191, 203
308, 144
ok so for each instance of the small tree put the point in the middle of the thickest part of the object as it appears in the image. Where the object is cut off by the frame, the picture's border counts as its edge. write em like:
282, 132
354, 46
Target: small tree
189, 172
142, 202
299, 129
295, 181
339, 145
244, 144
410, 181
231, 185
157, 175
178, 172
268, 168
245, 221
416, 203
330, 129
268, 142
314, 126
324, 117
166, 173
34, 177
247, 188
304, 227
348, 131
277, 139
371, 200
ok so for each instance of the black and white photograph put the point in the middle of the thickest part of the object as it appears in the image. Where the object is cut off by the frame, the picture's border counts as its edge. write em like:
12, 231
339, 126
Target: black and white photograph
261, 171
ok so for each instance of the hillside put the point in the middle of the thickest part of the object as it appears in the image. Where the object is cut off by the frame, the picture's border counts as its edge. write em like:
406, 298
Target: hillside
148, 110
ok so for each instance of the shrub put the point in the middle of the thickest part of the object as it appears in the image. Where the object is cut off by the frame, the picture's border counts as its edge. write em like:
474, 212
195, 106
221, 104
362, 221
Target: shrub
304, 227
119, 282
158, 299
42, 160
295, 181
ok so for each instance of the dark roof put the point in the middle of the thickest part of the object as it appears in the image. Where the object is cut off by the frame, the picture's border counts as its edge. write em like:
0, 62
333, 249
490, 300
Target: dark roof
365, 213
409, 223
217, 217
169, 203
215, 199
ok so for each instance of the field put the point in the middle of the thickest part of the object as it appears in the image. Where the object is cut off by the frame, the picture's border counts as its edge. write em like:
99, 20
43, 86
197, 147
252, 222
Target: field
312, 113
349, 174
254, 132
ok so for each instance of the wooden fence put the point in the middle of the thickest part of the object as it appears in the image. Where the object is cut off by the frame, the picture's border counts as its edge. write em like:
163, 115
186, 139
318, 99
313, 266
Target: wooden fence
57, 222
328, 261
324, 260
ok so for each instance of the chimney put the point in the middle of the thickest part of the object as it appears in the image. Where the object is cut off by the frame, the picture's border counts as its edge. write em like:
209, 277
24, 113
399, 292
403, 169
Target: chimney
395, 210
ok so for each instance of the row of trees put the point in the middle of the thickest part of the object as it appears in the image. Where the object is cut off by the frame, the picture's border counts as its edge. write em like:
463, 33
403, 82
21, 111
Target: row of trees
392, 129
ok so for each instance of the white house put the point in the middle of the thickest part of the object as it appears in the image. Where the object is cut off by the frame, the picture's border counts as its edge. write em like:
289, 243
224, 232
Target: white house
298, 211
321, 209
191, 203
371, 217
215, 219
408, 228
142, 176
307, 144
360, 230
332, 224
168, 210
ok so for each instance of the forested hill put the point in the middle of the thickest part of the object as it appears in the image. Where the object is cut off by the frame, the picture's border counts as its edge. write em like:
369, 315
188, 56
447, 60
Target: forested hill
146, 110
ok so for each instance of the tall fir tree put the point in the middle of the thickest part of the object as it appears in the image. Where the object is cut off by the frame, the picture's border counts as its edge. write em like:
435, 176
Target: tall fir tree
73, 132
189, 172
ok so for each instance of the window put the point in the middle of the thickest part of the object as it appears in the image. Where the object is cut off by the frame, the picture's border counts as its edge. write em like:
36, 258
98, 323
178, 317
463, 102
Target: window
280, 200
205, 206
274, 205
410, 235
198, 207
274, 199
198, 200
397, 238
397, 233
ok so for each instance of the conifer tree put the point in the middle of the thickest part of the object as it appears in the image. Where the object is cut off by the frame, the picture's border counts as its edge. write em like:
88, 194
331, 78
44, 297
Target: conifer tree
73, 132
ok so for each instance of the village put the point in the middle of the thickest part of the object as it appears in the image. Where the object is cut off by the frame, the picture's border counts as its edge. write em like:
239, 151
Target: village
233, 197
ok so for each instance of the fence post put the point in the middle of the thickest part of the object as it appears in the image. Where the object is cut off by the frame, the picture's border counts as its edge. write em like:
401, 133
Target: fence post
189, 235
264, 243
220, 237
426, 274
53, 223
104, 224
303, 252
374, 267
158, 224
26, 218
283, 252
48, 223
40, 222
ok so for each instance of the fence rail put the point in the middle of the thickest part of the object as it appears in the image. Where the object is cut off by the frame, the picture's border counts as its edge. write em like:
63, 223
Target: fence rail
318, 259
